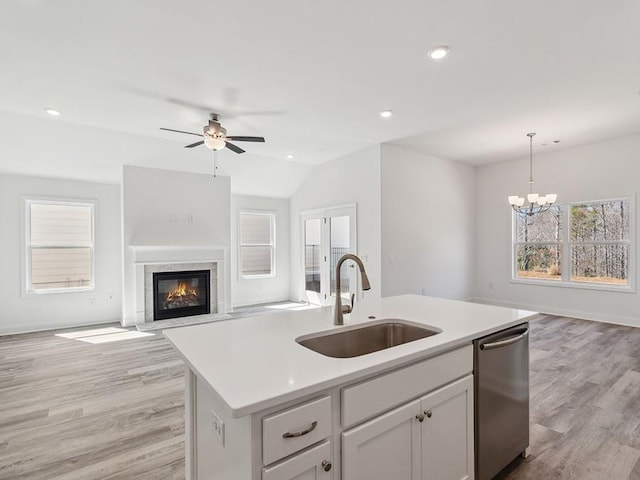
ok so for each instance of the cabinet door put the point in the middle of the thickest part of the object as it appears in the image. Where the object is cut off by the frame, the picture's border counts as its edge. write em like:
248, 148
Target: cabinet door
385, 448
313, 464
447, 432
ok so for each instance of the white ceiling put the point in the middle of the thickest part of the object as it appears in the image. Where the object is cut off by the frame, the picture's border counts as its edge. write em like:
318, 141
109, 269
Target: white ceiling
309, 76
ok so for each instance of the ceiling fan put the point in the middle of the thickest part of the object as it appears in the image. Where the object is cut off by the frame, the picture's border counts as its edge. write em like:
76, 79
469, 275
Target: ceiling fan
215, 136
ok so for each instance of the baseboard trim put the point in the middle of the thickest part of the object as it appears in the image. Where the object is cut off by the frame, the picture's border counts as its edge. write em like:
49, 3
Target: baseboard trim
46, 327
564, 312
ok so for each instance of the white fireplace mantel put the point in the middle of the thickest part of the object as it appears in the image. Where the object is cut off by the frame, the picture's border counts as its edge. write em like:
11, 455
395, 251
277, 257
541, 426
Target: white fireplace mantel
150, 254
142, 255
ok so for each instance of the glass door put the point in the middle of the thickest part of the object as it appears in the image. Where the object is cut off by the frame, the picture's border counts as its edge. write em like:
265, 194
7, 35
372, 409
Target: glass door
327, 235
340, 244
313, 260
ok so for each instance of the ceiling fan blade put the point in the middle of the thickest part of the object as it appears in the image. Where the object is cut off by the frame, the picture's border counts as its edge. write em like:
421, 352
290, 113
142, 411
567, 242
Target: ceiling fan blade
234, 148
180, 131
194, 144
246, 139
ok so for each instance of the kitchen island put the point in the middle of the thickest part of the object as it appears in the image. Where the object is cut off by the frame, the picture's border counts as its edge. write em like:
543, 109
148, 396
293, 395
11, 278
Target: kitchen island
261, 406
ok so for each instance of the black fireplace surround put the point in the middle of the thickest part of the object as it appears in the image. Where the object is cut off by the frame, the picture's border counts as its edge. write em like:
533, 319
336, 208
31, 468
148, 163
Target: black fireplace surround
181, 294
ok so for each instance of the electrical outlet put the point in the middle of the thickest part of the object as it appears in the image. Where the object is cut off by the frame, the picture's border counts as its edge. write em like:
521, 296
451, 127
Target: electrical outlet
217, 425
391, 258
491, 285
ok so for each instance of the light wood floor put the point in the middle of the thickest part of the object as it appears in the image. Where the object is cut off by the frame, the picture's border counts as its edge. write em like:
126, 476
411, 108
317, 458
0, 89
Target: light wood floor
79, 411
585, 402
75, 411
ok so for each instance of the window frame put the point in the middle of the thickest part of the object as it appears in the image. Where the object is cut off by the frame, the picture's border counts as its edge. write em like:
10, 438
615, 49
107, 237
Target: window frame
566, 245
272, 227
27, 287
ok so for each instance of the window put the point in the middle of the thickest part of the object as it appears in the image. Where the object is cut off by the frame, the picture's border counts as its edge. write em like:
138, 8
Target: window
60, 246
600, 242
257, 244
593, 251
538, 246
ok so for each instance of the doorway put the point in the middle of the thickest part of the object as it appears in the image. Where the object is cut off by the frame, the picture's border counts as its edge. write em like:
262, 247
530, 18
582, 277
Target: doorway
327, 234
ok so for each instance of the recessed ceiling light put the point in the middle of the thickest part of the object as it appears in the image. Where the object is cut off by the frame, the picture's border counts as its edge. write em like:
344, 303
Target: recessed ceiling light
436, 53
53, 112
386, 113
289, 156
556, 141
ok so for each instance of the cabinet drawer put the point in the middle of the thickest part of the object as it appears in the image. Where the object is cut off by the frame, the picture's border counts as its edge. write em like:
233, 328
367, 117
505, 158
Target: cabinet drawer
382, 393
315, 463
287, 432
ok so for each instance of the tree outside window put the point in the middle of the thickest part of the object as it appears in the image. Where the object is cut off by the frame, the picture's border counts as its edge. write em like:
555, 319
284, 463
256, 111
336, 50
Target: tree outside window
600, 242
538, 246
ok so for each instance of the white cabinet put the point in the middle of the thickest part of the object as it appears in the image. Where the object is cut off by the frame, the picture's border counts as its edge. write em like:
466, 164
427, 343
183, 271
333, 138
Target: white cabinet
414, 422
313, 464
294, 429
427, 439
447, 432
385, 448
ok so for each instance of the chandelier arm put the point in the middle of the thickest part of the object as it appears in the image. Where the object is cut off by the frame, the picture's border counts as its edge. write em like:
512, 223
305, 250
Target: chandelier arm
531, 209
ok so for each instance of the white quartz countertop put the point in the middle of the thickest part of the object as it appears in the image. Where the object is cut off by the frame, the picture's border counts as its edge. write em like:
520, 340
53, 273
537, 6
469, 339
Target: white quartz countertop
255, 363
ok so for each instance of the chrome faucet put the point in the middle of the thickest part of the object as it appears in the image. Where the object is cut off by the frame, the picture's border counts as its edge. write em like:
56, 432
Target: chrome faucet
338, 318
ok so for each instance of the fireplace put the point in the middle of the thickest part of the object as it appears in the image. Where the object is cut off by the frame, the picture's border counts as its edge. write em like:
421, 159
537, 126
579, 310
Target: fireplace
181, 294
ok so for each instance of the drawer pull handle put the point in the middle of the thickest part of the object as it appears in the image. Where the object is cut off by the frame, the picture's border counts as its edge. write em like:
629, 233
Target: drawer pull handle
301, 433
428, 413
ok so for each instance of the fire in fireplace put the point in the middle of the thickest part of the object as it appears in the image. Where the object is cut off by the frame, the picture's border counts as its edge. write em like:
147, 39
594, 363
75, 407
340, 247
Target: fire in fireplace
181, 294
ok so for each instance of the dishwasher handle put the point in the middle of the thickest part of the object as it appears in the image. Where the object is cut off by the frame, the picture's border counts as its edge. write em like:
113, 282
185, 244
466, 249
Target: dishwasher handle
505, 342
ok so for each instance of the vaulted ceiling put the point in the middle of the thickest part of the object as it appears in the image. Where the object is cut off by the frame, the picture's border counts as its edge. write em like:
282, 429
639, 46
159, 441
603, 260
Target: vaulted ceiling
309, 76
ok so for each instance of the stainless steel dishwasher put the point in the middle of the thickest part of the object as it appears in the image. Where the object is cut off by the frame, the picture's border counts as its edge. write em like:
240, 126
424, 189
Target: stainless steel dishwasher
501, 390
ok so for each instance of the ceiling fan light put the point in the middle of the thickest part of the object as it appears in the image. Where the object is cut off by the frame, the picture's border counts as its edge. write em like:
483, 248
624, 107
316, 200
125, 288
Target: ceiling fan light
436, 53
214, 143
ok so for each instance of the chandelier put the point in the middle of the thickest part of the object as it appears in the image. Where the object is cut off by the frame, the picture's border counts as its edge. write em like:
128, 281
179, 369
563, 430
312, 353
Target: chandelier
536, 203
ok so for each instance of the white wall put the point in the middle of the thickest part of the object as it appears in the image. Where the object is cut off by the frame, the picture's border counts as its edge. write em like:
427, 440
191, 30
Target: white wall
599, 171
165, 207
170, 208
351, 179
427, 225
20, 313
251, 291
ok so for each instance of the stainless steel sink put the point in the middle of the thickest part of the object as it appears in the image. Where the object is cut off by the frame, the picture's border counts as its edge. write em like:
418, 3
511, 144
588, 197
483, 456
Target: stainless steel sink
367, 338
